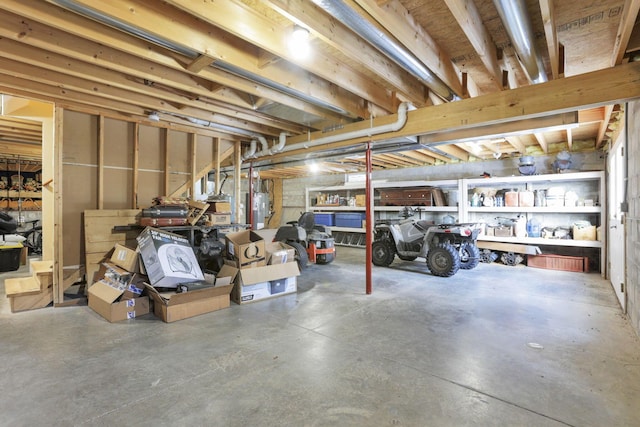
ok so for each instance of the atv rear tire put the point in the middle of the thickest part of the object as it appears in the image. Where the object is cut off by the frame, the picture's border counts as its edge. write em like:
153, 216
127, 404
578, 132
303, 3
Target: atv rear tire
382, 253
469, 256
443, 260
301, 254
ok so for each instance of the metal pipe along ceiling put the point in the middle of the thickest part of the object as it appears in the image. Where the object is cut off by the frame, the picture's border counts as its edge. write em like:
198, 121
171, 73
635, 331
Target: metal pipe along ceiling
515, 19
350, 18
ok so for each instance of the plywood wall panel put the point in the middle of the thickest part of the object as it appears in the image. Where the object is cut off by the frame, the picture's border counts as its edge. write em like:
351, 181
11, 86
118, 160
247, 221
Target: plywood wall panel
179, 151
77, 199
152, 146
118, 143
80, 143
150, 185
117, 188
204, 151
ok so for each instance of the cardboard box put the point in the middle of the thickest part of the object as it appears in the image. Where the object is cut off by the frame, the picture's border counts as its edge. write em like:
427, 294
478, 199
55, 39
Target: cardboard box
168, 258
103, 299
279, 253
361, 200
171, 306
584, 233
220, 207
254, 284
125, 257
113, 275
247, 248
219, 219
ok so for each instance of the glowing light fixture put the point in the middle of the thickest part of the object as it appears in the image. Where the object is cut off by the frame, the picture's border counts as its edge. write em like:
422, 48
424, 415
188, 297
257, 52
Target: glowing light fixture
314, 167
154, 116
299, 42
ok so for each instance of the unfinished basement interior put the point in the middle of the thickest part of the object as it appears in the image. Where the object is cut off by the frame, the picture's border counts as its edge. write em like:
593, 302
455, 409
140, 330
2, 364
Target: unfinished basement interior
320, 213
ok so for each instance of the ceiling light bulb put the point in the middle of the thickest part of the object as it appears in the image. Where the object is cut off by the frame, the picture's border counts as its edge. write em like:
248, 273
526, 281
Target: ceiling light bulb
153, 116
314, 167
299, 42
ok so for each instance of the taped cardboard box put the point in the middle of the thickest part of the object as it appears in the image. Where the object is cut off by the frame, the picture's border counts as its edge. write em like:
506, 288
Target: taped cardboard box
247, 249
220, 207
168, 258
106, 300
171, 306
218, 219
254, 284
126, 258
279, 253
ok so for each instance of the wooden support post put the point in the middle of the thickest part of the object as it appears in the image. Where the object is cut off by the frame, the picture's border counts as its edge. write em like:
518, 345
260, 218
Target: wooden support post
193, 145
237, 153
136, 153
100, 201
165, 138
58, 250
216, 157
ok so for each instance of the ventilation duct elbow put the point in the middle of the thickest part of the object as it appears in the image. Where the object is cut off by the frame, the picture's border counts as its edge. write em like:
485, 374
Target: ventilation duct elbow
251, 151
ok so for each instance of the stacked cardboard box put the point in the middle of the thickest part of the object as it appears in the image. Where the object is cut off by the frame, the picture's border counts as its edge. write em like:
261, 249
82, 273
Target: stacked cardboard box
266, 270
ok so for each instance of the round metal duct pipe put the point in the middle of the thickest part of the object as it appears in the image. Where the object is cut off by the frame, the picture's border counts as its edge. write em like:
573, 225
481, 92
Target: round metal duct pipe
515, 19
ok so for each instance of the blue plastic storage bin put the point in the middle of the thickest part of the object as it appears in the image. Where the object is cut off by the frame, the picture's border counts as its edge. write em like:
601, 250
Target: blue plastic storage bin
325, 219
349, 219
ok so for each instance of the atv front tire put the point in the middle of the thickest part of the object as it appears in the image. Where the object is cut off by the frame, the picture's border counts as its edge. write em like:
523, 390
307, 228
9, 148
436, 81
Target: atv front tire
443, 260
301, 254
382, 253
469, 256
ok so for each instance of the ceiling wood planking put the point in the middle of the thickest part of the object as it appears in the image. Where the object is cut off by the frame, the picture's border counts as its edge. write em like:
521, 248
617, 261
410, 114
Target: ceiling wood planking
83, 39
343, 39
396, 19
551, 35
469, 19
256, 29
236, 70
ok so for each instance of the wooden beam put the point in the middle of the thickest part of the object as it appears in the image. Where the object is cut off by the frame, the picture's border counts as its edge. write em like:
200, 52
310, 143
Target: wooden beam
551, 35
629, 16
470, 21
542, 141
608, 86
569, 139
230, 17
193, 146
58, 213
100, 193
454, 151
199, 63
516, 143
165, 147
602, 129
394, 17
344, 40
500, 129
56, 30
237, 183
136, 155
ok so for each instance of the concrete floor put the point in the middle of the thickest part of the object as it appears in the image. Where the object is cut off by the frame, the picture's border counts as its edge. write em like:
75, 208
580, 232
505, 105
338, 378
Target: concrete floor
420, 351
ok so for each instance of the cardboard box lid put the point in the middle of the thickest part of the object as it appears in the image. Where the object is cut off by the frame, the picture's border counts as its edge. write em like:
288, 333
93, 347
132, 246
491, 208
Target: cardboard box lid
124, 257
243, 237
171, 298
105, 292
268, 273
224, 284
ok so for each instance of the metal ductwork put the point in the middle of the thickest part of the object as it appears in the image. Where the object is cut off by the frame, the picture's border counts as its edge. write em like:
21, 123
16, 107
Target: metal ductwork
167, 44
397, 53
515, 19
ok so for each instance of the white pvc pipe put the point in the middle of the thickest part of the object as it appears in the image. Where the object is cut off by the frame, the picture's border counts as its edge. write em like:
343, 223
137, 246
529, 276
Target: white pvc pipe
391, 127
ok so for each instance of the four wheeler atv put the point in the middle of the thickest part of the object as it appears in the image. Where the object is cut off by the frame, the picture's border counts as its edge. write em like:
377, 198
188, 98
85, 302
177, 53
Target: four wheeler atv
446, 247
312, 242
